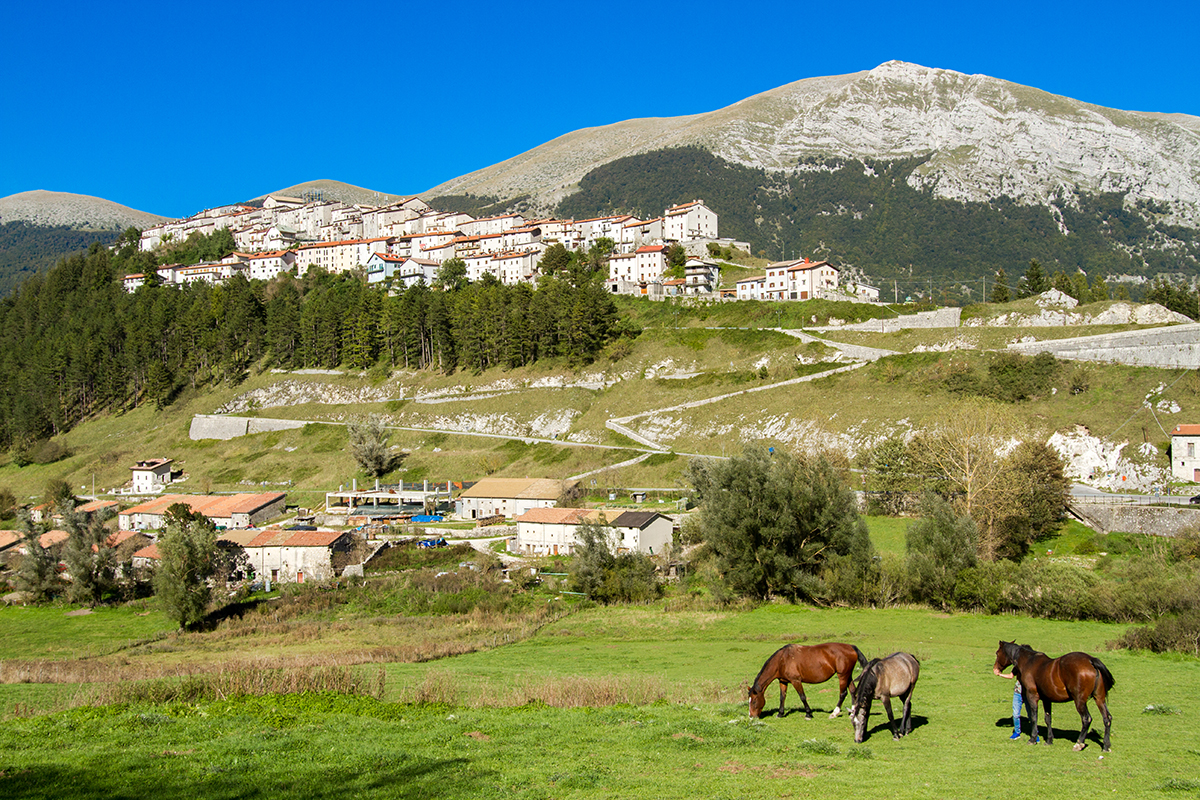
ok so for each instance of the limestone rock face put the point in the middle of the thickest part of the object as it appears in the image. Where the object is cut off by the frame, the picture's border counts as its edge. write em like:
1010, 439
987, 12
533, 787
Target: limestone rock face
984, 138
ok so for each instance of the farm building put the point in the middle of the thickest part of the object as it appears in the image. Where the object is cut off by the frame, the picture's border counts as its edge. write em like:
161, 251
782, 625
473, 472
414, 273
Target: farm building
551, 531
299, 556
508, 497
229, 511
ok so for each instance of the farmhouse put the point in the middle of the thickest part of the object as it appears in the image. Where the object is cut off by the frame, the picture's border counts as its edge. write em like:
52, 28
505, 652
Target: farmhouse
552, 531
507, 497
299, 556
230, 511
151, 476
1185, 460
549, 531
643, 531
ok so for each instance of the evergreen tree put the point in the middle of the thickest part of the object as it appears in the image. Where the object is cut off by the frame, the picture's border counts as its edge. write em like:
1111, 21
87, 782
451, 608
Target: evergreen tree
91, 562
1034, 281
771, 520
188, 549
37, 573
1000, 292
1099, 289
939, 546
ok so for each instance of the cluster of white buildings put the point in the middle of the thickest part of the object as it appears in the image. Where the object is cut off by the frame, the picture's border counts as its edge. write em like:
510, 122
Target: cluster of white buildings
407, 241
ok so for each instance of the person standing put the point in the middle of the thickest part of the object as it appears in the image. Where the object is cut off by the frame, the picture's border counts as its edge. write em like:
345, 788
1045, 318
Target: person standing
1017, 700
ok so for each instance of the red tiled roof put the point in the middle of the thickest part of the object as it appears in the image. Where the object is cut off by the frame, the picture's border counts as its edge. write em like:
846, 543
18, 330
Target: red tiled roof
149, 551
1186, 430
51, 538
209, 505
561, 516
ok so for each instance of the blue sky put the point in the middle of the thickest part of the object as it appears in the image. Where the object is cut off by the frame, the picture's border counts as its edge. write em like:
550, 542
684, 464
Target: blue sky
175, 107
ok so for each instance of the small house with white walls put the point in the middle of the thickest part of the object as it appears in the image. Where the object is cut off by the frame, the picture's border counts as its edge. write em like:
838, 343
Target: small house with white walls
150, 476
508, 497
1185, 453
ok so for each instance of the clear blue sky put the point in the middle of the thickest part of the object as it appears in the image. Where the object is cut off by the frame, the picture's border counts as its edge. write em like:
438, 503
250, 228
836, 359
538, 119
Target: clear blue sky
175, 107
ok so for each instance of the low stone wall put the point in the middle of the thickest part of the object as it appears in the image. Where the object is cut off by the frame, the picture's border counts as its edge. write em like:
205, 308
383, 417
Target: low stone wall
209, 426
1172, 347
1148, 520
938, 318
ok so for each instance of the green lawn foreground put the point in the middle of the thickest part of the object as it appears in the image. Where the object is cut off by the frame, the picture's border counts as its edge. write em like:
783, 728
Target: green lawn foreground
682, 746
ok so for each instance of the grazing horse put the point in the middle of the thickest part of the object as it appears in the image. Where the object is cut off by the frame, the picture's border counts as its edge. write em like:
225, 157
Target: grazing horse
883, 679
1075, 676
798, 664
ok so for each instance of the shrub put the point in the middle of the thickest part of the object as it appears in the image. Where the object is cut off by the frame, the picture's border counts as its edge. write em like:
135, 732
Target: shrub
1172, 634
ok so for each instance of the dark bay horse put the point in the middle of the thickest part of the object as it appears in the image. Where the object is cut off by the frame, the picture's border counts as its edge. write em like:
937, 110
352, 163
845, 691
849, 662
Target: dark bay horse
883, 679
1075, 676
798, 664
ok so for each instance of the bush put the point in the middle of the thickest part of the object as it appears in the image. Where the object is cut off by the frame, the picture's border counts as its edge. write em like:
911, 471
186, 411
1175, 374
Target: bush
1179, 634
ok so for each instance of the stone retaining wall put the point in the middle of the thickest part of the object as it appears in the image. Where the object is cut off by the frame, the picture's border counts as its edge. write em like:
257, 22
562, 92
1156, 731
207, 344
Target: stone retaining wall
209, 426
1172, 347
1148, 520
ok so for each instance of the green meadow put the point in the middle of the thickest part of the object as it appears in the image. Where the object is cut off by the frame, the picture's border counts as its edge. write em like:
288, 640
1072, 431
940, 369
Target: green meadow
626, 702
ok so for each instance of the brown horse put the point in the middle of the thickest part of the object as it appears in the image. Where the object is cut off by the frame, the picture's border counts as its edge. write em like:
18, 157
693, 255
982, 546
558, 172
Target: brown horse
798, 664
1075, 676
883, 679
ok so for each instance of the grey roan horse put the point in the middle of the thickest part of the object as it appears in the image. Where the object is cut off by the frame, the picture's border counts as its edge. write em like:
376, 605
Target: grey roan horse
883, 679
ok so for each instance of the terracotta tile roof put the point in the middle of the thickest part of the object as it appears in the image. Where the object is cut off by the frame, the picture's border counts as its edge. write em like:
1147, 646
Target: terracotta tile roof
651, 248
51, 538
209, 505
273, 537
96, 505
8, 539
1186, 430
120, 536
149, 551
560, 516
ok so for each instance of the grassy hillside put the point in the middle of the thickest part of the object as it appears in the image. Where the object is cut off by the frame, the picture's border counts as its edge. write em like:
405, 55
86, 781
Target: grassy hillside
664, 367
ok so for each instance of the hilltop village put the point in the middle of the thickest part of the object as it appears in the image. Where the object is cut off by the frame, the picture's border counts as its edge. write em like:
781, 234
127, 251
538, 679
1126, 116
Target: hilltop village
407, 241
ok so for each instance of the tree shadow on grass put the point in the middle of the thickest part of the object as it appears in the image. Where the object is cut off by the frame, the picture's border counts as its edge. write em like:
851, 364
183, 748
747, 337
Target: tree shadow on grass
171, 780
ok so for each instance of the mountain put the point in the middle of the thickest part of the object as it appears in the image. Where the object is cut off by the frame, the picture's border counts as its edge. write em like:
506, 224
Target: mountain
978, 138
75, 211
336, 190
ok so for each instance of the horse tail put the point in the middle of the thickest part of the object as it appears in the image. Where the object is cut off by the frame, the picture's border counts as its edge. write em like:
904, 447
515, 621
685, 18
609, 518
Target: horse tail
1109, 680
862, 660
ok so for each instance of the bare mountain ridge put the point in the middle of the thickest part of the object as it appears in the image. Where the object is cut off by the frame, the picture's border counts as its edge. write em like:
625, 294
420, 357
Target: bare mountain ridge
79, 211
984, 138
340, 192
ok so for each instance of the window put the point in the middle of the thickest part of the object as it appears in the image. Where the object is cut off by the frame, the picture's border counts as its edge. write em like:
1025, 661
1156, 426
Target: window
1191, 449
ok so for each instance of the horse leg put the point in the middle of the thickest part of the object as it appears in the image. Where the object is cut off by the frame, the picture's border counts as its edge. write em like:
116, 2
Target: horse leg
1049, 725
782, 694
887, 703
841, 697
1107, 717
1031, 705
906, 720
804, 699
1085, 722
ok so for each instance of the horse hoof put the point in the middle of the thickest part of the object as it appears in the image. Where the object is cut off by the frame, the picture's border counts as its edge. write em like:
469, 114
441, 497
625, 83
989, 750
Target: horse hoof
808, 716
1079, 746
837, 712
1033, 741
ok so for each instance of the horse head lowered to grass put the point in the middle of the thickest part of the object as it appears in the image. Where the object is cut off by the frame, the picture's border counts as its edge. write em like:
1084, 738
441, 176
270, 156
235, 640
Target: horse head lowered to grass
1075, 676
883, 679
798, 664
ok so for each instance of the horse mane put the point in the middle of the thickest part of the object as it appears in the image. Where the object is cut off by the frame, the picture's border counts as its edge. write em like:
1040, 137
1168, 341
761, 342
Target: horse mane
867, 682
771, 662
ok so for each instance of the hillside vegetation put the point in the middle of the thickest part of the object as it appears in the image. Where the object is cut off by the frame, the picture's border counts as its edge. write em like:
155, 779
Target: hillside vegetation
866, 214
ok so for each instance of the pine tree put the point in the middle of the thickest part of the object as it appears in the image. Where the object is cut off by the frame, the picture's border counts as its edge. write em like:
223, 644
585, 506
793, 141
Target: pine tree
1000, 292
188, 548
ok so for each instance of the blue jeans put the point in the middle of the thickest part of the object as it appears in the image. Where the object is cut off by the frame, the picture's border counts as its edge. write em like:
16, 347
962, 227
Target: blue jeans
1017, 699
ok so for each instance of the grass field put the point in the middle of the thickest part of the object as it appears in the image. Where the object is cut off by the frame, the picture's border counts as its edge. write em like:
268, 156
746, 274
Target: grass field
633, 702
